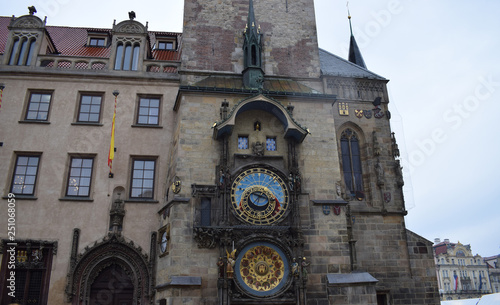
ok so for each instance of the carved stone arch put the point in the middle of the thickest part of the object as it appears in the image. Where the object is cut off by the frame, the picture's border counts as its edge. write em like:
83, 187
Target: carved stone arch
26, 22
130, 27
113, 249
354, 127
291, 128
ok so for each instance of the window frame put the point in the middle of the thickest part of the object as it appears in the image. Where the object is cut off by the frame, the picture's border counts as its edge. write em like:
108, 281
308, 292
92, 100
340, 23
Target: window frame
247, 142
162, 43
29, 102
127, 56
48, 249
138, 114
354, 173
132, 179
69, 175
22, 50
29, 155
97, 40
79, 107
271, 138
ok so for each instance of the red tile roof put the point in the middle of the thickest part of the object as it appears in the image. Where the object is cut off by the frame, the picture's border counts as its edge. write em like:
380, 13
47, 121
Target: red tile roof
442, 247
4, 32
72, 41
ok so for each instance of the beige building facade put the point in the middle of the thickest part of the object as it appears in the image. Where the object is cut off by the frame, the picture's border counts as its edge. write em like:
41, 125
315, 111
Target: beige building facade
248, 166
461, 275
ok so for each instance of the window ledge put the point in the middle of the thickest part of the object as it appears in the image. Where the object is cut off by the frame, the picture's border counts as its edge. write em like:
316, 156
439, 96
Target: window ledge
138, 200
21, 197
85, 199
33, 122
87, 124
146, 126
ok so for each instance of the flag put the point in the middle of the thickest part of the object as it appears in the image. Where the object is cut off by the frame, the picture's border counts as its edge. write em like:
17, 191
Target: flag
1, 94
456, 281
111, 154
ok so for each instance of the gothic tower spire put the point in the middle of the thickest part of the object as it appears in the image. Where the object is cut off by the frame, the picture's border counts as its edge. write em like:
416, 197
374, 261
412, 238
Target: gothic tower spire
253, 75
354, 52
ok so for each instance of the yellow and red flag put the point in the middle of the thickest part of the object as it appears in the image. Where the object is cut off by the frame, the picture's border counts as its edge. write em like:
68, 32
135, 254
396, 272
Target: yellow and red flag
1, 94
111, 154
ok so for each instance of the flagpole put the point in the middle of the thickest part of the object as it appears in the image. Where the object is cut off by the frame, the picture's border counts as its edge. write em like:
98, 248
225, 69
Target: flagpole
111, 154
2, 86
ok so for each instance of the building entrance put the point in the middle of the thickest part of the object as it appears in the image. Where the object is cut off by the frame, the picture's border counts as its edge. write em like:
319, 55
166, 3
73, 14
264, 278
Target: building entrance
112, 287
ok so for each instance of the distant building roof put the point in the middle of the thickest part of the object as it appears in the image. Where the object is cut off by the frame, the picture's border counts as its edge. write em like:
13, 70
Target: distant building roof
72, 41
334, 65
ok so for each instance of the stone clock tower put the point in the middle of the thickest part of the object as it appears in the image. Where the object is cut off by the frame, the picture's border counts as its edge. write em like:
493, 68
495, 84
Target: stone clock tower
265, 189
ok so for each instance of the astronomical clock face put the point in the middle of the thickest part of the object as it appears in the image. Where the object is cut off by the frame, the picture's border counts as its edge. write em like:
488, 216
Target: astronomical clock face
261, 269
259, 196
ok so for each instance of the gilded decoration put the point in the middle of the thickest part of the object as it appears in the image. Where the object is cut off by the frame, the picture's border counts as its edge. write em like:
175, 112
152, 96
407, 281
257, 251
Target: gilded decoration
262, 269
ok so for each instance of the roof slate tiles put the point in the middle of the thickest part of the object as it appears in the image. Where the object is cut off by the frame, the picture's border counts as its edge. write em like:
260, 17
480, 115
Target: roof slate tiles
335, 66
72, 41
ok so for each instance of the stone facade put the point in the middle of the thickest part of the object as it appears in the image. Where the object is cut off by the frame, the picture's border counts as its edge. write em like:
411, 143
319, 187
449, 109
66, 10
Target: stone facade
290, 193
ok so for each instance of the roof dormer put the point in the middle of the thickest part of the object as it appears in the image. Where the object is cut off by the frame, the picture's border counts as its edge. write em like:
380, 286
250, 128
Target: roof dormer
129, 44
25, 38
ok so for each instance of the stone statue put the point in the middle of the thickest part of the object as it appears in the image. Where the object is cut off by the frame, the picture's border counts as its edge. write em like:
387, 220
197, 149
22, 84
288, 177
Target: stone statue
338, 190
399, 174
220, 264
32, 9
376, 145
304, 268
258, 148
231, 261
295, 268
298, 182
380, 173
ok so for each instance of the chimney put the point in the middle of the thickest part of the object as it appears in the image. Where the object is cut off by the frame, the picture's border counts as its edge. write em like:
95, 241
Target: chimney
446, 241
437, 240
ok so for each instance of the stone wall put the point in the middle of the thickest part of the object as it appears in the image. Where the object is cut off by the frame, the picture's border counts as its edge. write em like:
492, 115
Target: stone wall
213, 33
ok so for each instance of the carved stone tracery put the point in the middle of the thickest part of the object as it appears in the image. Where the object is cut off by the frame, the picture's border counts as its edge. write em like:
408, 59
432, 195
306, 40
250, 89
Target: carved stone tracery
113, 249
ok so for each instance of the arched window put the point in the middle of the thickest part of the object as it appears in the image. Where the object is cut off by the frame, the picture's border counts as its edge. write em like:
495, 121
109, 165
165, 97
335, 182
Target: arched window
22, 51
254, 56
13, 52
351, 161
119, 57
127, 57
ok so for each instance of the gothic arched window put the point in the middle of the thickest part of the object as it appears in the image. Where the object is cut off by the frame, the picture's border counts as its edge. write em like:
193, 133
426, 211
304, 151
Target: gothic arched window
127, 56
351, 161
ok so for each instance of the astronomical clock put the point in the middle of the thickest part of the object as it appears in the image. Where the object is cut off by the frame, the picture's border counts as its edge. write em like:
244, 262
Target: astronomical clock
259, 196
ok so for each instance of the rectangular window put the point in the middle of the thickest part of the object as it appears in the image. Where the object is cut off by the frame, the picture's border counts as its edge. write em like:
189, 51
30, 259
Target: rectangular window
38, 106
206, 212
90, 108
149, 111
143, 178
242, 142
97, 42
165, 45
271, 144
25, 174
79, 177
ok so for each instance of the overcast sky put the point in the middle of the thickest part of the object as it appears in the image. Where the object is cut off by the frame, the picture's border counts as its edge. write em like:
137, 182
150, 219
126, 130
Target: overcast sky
441, 58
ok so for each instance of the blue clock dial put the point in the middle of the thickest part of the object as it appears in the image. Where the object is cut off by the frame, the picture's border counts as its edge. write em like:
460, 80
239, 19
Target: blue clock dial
259, 196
